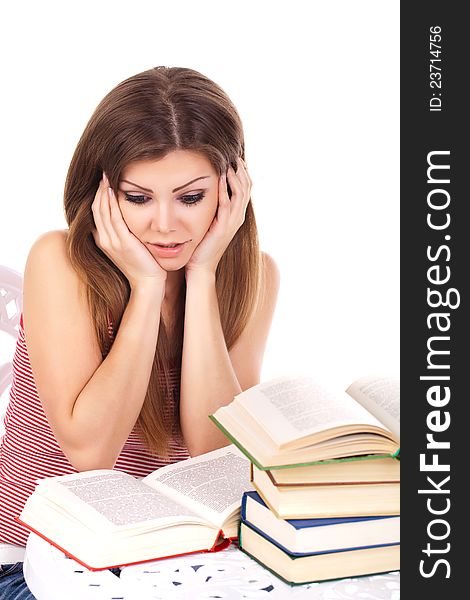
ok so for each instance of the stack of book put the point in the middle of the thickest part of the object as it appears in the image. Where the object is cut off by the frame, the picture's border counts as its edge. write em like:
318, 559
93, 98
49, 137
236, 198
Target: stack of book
326, 472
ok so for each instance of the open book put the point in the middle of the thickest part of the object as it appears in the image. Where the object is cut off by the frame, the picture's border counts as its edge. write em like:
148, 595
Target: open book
107, 518
293, 421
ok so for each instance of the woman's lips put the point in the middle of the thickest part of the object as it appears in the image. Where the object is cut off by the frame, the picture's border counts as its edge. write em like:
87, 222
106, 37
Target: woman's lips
168, 250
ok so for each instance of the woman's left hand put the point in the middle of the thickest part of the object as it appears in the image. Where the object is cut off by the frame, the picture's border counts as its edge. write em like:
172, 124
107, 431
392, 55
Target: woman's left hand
229, 218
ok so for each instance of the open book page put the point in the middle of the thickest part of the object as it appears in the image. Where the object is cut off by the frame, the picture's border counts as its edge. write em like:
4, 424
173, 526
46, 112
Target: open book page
107, 498
381, 397
211, 484
290, 408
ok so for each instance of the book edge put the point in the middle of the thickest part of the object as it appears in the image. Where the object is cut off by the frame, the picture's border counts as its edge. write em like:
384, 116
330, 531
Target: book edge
292, 583
254, 495
292, 554
216, 547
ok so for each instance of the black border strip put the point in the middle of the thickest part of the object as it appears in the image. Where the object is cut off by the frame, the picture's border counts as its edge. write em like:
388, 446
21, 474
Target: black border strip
433, 567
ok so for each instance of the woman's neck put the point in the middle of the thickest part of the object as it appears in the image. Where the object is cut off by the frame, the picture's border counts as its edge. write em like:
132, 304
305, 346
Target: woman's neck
169, 310
174, 281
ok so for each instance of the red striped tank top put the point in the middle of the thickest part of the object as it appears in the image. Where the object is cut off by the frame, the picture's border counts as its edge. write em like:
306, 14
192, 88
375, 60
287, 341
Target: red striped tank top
29, 451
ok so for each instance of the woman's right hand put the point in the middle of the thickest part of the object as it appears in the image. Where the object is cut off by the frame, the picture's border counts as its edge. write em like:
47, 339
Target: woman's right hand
119, 244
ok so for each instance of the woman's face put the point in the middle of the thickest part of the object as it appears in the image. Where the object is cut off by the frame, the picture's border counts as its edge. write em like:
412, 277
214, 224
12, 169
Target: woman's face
176, 208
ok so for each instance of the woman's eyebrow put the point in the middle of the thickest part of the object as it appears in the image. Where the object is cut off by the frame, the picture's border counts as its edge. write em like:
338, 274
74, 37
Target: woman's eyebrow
180, 187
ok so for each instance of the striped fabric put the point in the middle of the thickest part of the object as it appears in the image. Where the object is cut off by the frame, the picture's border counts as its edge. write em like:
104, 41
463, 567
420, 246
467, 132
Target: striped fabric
29, 451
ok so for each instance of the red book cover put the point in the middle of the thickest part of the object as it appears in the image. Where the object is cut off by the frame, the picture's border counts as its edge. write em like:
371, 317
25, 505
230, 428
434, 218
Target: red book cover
220, 543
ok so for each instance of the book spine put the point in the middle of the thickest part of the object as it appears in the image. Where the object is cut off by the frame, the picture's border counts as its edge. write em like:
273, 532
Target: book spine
243, 506
294, 554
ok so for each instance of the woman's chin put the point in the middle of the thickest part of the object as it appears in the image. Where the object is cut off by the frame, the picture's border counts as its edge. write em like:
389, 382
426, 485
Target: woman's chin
170, 265
174, 263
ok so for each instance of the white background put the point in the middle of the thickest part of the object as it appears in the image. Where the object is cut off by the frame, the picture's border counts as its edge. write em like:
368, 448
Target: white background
317, 86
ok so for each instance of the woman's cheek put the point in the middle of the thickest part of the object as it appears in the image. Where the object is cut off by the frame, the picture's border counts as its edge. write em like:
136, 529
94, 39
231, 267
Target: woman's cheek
129, 218
212, 211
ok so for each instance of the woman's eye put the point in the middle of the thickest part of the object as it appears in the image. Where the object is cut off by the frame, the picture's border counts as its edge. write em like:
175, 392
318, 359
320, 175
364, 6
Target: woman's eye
137, 199
190, 199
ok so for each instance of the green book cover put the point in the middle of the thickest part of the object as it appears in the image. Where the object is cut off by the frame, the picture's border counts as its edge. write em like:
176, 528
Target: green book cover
304, 464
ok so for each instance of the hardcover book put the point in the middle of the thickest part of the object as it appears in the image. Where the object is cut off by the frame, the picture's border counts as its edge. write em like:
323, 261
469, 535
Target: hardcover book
379, 470
107, 518
300, 537
294, 421
326, 499
322, 566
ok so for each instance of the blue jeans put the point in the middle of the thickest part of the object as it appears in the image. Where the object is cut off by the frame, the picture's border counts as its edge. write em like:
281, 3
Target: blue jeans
12, 583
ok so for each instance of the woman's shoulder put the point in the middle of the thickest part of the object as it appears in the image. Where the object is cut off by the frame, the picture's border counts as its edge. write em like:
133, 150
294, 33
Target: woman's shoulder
269, 286
48, 260
50, 247
49, 242
270, 272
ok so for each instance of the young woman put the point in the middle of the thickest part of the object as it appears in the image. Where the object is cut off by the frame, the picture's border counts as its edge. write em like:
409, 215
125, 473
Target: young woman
150, 311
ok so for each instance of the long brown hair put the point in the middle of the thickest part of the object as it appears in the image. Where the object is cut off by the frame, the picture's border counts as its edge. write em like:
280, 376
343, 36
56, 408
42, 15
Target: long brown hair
146, 117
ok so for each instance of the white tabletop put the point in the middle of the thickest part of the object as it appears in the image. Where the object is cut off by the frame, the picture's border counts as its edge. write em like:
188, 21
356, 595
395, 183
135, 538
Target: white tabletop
229, 574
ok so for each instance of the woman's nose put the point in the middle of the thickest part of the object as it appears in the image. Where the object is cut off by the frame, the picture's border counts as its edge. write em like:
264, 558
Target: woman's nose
163, 219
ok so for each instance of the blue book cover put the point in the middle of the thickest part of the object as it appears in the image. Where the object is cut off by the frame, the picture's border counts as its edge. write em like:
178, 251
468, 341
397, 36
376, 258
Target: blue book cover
308, 523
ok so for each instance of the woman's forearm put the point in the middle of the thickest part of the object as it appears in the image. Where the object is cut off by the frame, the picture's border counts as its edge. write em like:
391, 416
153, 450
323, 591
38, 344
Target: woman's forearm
208, 379
107, 408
